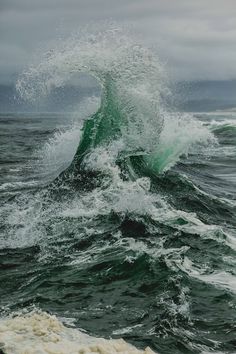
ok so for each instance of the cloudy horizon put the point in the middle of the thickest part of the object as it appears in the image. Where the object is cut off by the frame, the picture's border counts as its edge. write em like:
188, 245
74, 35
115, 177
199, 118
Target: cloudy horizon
195, 40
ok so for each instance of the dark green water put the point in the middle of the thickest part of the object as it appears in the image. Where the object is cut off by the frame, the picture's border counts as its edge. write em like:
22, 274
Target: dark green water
123, 250
125, 227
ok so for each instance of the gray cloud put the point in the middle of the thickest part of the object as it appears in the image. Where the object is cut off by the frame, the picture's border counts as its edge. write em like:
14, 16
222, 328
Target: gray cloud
196, 39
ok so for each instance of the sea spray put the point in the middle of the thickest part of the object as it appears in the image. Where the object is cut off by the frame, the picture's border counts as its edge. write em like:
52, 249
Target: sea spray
133, 105
137, 238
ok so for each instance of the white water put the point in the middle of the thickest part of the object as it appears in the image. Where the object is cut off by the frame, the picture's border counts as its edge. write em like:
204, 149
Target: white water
134, 79
41, 333
163, 136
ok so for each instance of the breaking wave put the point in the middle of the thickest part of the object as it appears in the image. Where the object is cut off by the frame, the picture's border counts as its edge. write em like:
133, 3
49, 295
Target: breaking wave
120, 228
132, 109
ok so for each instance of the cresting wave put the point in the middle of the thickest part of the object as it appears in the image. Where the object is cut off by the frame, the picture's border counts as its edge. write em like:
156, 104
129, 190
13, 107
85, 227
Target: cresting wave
107, 232
132, 107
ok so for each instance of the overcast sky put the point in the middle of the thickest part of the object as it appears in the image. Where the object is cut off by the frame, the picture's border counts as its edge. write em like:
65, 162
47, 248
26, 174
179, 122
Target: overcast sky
195, 38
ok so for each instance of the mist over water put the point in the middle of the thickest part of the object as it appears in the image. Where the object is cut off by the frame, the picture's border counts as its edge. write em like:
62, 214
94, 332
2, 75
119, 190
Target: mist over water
119, 220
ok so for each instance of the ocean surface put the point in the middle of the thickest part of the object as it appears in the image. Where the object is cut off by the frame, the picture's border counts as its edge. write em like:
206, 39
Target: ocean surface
116, 221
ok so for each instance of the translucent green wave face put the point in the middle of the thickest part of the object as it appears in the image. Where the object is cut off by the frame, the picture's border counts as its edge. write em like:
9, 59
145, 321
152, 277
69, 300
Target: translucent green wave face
104, 126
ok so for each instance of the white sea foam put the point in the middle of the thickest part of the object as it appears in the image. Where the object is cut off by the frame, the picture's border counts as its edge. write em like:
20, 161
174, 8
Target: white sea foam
17, 185
220, 279
41, 333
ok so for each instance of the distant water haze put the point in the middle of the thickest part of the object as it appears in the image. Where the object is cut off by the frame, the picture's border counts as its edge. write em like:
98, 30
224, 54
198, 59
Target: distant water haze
190, 96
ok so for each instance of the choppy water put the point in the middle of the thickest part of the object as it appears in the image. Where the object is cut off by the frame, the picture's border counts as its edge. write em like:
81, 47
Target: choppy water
136, 237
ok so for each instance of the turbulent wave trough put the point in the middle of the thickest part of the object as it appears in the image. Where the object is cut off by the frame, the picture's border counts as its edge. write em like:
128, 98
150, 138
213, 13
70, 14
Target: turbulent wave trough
120, 222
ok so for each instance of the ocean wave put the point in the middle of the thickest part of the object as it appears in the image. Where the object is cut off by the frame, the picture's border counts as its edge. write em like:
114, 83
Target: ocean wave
132, 107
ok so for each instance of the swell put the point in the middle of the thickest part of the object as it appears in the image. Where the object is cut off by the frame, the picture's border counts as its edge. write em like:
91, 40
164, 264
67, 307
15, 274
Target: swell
141, 245
127, 258
226, 132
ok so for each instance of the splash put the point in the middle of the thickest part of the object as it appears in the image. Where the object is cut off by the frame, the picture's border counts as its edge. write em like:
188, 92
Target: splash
132, 109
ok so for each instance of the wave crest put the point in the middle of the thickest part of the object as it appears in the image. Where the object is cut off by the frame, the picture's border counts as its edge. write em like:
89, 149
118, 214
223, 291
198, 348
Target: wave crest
132, 106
